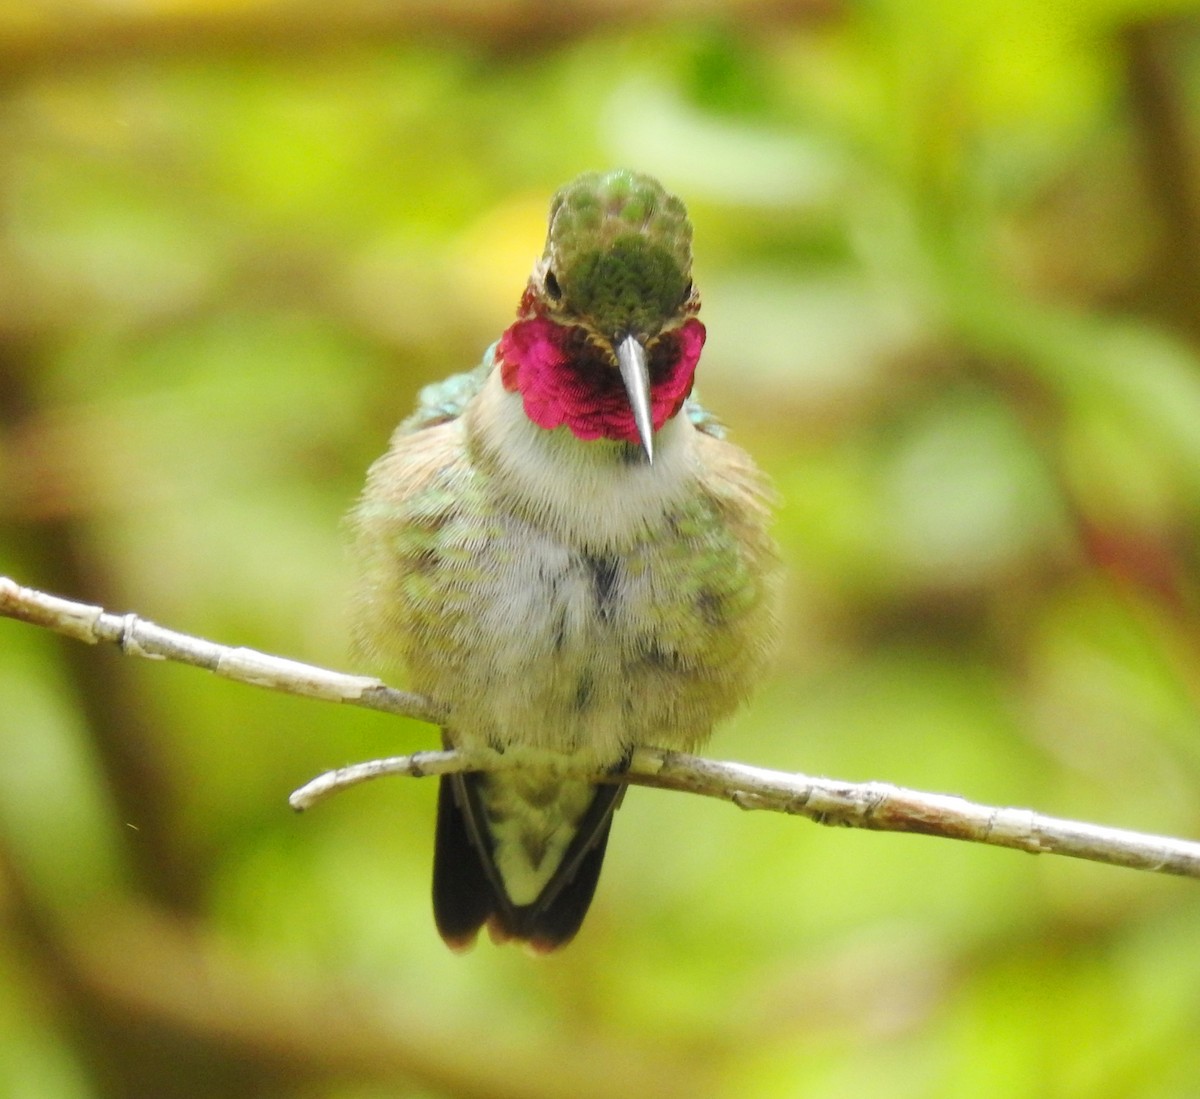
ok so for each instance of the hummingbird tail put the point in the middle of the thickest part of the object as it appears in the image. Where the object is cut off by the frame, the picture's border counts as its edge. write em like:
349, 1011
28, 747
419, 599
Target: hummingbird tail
469, 892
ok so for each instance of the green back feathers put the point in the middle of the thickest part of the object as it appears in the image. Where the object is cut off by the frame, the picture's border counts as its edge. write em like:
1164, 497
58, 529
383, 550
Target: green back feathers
620, 250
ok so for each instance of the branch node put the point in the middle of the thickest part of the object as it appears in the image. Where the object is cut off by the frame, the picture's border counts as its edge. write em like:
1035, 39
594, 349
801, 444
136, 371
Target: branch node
128, 642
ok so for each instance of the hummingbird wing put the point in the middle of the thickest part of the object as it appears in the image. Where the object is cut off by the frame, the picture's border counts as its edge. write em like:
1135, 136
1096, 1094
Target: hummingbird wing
445, 400
468, 890
703, 420
465, 894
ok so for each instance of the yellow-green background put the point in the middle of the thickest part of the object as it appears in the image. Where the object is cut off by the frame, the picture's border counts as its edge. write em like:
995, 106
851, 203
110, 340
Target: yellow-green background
950, 257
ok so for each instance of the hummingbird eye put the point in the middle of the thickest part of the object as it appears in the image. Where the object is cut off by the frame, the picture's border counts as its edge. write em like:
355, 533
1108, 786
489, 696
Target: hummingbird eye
553, 290
687, 293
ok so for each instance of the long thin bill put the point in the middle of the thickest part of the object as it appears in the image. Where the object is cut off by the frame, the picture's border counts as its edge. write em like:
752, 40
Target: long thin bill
631, 357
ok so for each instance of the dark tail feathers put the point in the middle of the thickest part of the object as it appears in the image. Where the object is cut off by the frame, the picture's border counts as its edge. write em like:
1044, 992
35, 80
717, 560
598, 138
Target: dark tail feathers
467, 891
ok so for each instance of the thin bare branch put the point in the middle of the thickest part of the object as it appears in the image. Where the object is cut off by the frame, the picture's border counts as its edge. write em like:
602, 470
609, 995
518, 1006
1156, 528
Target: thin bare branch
139, 637
875, 806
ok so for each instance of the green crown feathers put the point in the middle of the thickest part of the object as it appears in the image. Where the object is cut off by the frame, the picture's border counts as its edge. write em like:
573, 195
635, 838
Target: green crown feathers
620, 248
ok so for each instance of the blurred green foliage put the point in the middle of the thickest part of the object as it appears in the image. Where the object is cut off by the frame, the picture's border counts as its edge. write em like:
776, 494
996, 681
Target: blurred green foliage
950, 256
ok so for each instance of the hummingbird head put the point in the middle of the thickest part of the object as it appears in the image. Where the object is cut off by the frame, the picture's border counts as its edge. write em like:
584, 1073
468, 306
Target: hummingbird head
606, 341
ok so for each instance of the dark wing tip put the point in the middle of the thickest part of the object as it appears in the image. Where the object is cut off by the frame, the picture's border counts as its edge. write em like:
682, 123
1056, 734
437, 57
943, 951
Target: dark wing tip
466, 891
463, 897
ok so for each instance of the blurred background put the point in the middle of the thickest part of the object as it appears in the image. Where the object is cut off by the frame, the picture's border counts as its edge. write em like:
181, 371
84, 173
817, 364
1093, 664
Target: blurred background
950, 258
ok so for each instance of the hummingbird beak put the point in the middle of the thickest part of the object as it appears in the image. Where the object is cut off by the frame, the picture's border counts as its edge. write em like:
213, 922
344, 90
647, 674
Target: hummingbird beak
631, 358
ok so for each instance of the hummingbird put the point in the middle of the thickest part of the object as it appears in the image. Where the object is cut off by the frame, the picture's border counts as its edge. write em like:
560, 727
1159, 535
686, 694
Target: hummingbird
564, 551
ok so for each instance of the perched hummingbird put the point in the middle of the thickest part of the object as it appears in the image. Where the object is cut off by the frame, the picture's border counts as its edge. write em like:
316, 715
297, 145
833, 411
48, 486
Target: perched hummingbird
566, 554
